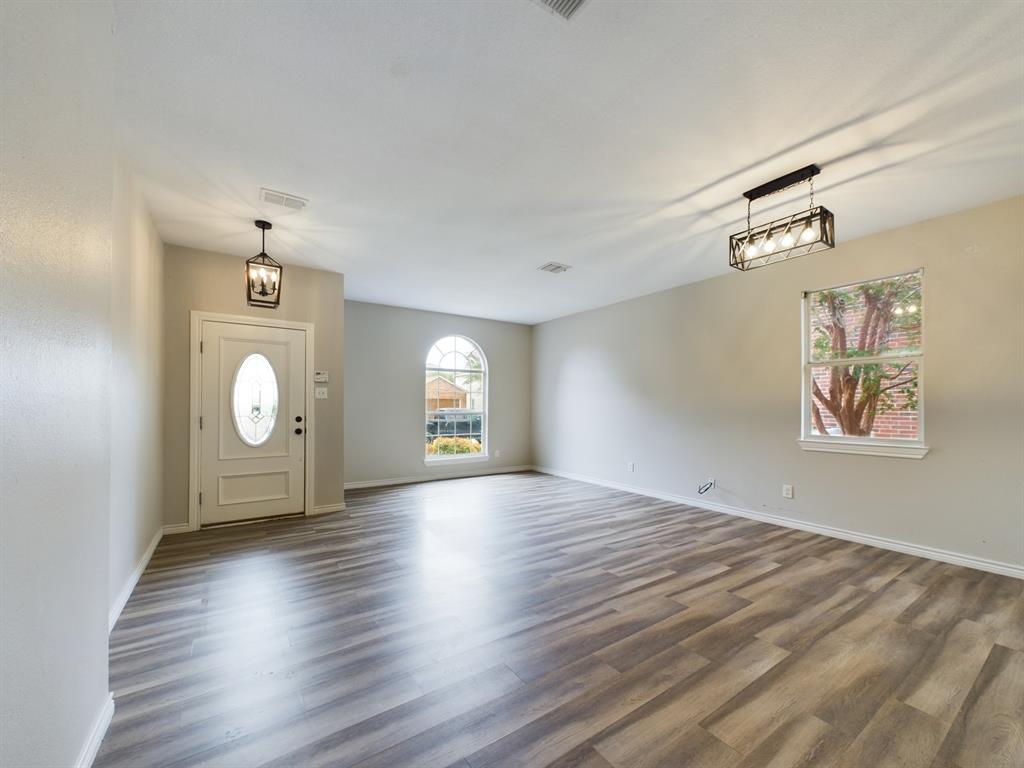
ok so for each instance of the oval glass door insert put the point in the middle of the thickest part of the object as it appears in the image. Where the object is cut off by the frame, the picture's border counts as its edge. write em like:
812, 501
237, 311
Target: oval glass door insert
254, 399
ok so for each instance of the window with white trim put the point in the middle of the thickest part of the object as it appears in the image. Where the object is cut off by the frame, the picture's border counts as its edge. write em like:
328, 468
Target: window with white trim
456, 400
862, 368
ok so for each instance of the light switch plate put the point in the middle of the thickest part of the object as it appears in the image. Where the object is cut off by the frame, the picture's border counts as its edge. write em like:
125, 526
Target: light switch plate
321, 377
320, 393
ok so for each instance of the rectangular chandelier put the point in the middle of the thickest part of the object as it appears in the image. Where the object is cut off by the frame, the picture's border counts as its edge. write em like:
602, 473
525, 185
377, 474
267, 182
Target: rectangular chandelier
797, 235
263, 275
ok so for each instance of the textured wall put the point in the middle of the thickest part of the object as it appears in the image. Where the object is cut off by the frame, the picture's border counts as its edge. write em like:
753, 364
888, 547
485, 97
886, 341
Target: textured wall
137, 378
57, 167
704, 380
385, 353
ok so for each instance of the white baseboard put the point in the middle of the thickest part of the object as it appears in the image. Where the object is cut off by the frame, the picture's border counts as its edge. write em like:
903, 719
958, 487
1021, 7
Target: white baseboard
324, 509
918, 550
439, 476
175, 528
87, 753
133, 579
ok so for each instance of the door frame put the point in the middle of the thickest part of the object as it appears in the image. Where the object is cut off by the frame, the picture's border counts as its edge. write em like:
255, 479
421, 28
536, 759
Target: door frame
197, 318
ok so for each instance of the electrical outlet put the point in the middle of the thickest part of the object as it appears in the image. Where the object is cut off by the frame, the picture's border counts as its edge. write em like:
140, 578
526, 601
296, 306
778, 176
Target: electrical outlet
787, 491
631, 466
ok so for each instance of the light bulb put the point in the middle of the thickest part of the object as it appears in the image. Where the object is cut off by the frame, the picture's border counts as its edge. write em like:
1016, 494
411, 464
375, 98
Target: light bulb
768, 245
808, 234
898, 311
788, 241
751, 251
912, 309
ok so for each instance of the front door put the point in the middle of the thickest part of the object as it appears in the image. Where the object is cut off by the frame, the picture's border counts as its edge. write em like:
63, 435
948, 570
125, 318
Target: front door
252, 438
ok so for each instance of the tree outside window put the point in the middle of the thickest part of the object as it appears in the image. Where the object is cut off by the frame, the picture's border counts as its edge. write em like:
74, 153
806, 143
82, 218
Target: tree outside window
862, 361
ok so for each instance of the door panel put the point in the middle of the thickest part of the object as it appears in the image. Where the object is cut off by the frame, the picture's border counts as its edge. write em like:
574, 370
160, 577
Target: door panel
249, 487
253, 433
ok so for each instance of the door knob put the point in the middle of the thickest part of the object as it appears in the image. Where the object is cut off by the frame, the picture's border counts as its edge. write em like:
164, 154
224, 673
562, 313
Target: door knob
298, 430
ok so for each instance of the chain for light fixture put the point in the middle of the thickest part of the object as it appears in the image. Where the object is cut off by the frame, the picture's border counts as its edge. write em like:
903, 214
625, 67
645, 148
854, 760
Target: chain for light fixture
776, 241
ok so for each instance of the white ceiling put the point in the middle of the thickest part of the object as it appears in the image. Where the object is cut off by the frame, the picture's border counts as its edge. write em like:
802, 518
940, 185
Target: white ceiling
450, 148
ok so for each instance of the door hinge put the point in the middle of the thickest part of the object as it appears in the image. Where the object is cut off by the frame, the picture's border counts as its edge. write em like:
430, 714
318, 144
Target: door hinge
200, 347
200, 422
200, 498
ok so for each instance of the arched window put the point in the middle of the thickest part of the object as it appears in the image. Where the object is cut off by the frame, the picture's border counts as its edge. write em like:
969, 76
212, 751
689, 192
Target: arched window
456, 399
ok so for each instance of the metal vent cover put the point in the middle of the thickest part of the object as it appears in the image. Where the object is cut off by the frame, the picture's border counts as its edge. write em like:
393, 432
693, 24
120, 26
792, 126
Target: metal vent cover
554, 267
274, 197
564, 8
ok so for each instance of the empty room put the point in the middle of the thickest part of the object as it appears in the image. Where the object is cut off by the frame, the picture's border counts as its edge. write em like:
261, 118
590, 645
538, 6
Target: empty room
512, 384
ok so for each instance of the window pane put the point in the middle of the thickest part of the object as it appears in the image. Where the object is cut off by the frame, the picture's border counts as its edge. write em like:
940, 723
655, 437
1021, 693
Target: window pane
442, 392
434, 386
454, 446
471, 385
447, 344
452, 361
877, 317
883, 402
464, 346
254, 399
434, 357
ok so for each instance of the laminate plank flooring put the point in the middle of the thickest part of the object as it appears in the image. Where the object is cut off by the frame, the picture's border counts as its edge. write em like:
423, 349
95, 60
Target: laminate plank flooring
528, 620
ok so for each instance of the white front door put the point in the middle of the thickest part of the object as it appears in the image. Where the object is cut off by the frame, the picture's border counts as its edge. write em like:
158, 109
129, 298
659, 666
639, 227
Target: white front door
252, 438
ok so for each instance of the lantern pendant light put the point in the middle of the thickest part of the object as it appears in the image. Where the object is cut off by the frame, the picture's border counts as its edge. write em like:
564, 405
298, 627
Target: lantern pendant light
795, 235
263, 275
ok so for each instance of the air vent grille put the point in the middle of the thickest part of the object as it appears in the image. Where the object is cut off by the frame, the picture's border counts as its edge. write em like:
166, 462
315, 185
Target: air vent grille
282, 198
564, 8
554, 268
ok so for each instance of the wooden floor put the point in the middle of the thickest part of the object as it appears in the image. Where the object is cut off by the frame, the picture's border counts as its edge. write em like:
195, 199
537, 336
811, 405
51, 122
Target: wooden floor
526, 620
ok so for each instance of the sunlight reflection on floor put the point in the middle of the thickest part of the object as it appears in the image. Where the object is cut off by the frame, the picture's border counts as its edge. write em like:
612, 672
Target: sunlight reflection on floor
453, 536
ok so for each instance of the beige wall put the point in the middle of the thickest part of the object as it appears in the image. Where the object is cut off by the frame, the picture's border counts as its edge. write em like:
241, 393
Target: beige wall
385, 352
704, 380
213, 282
136, 412
56, 162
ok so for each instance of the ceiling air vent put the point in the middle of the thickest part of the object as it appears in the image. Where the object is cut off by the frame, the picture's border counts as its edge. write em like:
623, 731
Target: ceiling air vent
564, 8
282, 198
554, 268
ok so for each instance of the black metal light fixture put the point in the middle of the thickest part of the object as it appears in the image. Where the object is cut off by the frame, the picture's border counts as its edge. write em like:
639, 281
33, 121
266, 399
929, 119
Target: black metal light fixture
796, 235
263, 275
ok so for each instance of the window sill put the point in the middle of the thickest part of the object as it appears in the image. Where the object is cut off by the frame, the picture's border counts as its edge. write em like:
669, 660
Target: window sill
873, 448
468, 458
